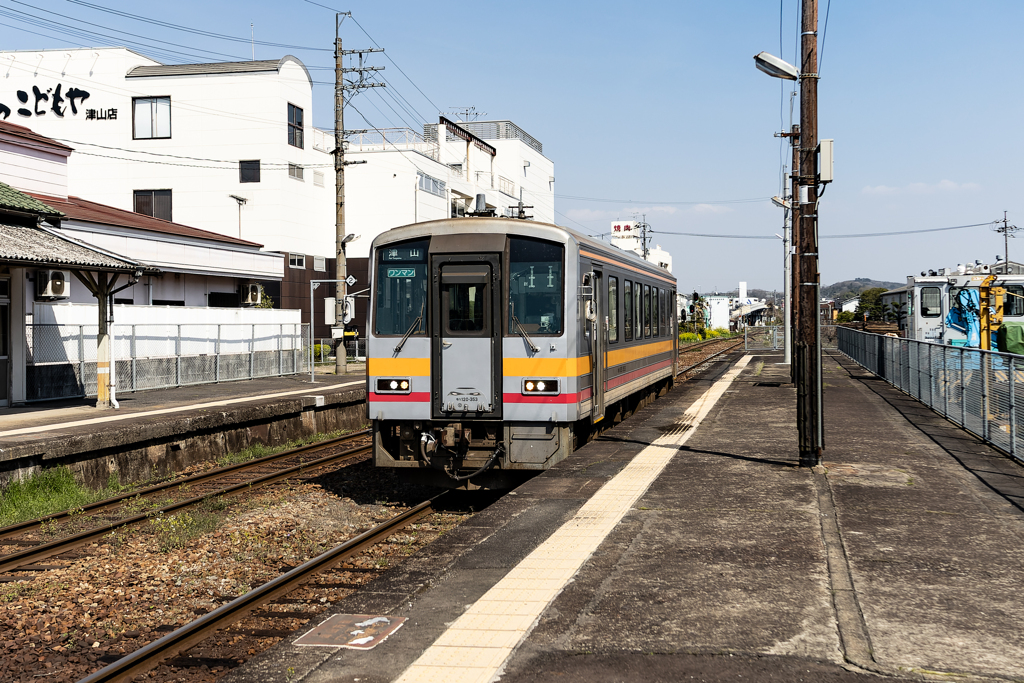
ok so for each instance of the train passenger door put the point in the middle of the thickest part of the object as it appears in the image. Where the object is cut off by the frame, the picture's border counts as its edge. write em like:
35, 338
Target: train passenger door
596, 312
465, 353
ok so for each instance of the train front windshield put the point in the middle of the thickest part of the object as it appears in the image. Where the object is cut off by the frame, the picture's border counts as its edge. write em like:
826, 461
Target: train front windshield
535, 286
401, 289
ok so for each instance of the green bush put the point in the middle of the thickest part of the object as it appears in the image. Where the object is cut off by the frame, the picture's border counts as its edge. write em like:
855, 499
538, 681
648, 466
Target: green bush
319, 349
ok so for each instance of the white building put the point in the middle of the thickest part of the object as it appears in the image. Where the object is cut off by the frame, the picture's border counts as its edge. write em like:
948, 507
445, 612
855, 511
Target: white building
410, 178
176, 142
628, 235
189, 276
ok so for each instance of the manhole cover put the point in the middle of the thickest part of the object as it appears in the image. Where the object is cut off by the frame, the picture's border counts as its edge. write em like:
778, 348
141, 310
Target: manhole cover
355, 631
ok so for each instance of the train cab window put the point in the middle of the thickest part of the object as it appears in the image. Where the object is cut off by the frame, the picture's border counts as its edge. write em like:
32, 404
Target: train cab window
535, 292
655, 313
627, 301
1014, 305
401, 289
931, 302
613, 310
464, 296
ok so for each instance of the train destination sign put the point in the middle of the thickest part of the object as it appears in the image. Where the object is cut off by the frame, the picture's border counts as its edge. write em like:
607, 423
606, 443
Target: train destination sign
401, 272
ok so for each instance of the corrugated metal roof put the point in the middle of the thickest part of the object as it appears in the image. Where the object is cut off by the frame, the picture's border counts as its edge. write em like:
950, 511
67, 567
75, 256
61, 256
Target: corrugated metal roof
214, 68
29, 134
76, 208
39, 246
19, 201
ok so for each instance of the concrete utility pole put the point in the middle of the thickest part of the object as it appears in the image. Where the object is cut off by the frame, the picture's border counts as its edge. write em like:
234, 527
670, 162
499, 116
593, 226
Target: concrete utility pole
807, 359
340, 88
1007, 231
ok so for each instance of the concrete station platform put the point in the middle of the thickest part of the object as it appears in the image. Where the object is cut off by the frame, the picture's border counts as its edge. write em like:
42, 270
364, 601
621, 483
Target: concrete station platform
155, 431
686, 545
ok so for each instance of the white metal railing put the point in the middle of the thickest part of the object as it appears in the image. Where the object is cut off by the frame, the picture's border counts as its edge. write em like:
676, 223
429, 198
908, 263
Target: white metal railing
973, 388
61, 359
506, 186
405, 139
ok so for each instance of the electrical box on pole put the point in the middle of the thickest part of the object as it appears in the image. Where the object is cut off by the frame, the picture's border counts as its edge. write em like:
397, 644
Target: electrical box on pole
825, 161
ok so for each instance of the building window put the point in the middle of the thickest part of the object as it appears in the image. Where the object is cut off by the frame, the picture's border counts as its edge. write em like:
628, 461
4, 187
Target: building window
431, 185
295, 171
249, 171
931, 302
613, 310
155, 203
151, 118
294, 126
318, 178
297, 260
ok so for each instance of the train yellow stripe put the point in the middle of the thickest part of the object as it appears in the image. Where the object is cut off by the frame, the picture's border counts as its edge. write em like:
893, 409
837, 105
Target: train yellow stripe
546, 367
620, 356
410, 367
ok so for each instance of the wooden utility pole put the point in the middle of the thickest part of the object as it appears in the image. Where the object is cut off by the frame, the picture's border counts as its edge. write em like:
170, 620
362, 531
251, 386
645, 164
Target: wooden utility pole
807, 351
341, 266
794, 263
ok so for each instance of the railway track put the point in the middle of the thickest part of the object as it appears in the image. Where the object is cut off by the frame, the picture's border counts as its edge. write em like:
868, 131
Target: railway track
697, 355
188, 636
241, 477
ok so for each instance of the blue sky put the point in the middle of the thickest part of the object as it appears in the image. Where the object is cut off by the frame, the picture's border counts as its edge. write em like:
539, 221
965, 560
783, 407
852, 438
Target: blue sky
656, 108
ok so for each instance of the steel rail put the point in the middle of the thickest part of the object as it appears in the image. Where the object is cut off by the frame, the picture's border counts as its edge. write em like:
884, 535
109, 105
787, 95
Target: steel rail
109, 503
149, 656
40, 552
705, 360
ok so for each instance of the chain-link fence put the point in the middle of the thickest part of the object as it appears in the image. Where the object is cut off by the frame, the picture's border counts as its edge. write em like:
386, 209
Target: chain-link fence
774, 338
61, 359
975, 389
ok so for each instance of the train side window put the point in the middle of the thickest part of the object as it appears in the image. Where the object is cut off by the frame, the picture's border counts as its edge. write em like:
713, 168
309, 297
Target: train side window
656, 322
638, 304
647, 310
627, 300
613, 310
662, 313
931, 302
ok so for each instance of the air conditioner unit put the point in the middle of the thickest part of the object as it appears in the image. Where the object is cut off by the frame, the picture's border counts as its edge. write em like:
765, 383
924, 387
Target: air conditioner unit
53, 284
251, 294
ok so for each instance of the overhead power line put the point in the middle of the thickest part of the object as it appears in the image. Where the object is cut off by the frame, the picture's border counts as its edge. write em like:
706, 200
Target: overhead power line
196, 31
824, 237
639, 201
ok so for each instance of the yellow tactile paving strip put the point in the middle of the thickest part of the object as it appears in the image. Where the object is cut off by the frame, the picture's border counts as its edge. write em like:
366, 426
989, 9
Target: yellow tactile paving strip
479, 642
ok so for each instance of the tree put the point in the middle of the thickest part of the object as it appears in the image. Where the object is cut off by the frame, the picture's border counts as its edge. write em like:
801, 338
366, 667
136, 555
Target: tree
845, 317
871, 303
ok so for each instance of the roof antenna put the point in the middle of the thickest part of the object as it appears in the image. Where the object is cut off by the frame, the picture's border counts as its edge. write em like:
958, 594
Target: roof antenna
252, 40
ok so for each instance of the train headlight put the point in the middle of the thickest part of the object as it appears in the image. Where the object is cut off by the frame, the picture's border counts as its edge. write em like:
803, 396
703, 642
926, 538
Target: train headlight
541, 387
393, 385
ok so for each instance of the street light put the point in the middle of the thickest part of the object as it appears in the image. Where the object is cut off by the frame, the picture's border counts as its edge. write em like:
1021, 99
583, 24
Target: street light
773, 66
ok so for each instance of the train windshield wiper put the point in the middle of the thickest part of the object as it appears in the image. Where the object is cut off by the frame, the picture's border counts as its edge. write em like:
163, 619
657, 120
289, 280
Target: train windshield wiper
415, 325
522, 333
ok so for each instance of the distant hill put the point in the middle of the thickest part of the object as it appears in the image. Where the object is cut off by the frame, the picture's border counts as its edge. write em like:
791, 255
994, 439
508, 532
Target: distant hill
850, 288
841, 290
